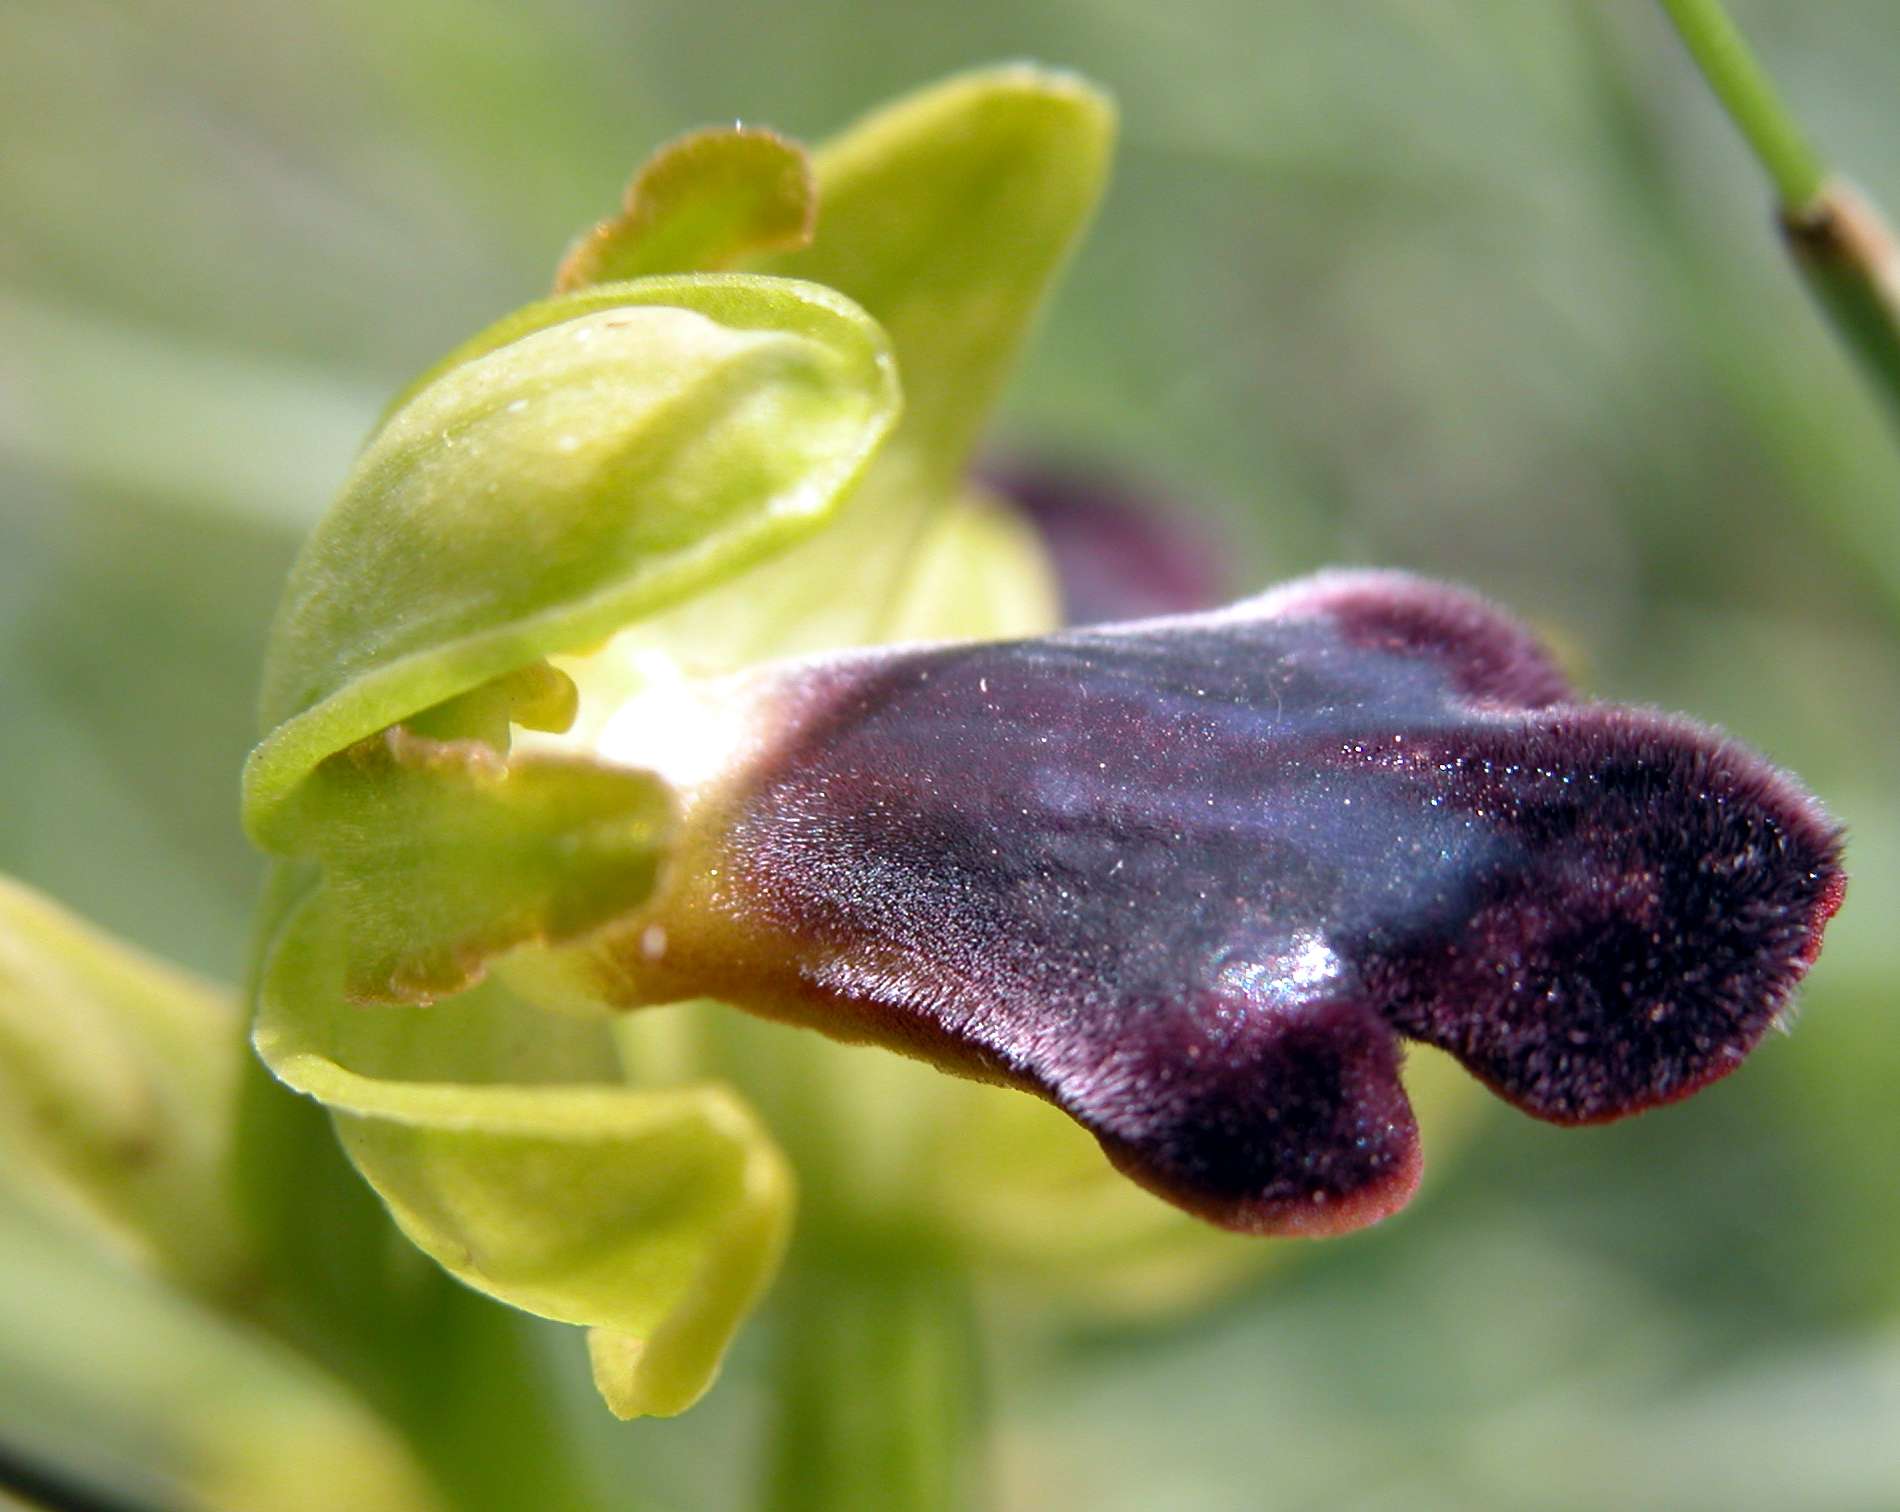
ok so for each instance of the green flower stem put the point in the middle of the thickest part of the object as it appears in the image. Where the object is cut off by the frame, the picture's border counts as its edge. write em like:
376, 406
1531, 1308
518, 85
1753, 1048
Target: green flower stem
483, 1419
1749, 97
876, 1386
1848, 255
1838, 238
876, 1390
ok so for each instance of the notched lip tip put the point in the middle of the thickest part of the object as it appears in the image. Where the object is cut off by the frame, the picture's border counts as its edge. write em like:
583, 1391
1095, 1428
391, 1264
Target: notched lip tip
1742, 773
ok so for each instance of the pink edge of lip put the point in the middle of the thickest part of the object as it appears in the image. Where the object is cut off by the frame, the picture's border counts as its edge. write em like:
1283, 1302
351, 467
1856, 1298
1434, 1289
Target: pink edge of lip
1305, 1219
1828, 905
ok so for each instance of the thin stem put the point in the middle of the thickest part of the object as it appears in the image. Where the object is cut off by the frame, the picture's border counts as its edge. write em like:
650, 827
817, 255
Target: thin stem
1838, 238
1748, 95
482, 1417
1847, 253
876, 1400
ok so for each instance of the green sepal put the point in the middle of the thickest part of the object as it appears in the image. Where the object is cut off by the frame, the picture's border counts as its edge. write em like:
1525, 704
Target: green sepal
439, 855
657, 1216
947, 215
580, 464
701, 203
117, 1080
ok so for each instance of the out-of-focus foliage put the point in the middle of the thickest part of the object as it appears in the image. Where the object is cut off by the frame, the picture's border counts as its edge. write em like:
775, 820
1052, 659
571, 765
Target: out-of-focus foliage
1482, 289
116, 1080
167, 1402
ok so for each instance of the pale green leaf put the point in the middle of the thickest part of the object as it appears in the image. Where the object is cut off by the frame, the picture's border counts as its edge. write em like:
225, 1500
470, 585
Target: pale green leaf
167, 1402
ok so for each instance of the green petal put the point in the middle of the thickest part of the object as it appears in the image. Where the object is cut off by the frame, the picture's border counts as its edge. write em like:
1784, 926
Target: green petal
534, 696
699, 204
656, 1216
580, 464
947, 215
441, 854
117, 1075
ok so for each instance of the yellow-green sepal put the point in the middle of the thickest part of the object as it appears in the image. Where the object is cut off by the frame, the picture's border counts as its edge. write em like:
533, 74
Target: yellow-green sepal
159, 1398
656, 1217
441, 854
947, 215
580, 464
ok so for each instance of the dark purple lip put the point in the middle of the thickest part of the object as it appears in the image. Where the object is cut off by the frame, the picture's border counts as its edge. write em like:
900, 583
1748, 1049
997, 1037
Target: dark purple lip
1195, 880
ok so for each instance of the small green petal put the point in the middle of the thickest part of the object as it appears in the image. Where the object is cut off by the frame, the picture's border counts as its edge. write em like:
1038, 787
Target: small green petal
586, 461
442, 854
701, 204
117, 1075
534, 696
657, 1216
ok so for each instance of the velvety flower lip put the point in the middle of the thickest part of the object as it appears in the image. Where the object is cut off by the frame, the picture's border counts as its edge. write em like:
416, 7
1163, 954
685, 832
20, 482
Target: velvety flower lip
1196, 879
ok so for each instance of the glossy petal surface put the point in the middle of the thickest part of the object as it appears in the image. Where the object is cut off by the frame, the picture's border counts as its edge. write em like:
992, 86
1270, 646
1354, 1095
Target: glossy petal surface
1194, 879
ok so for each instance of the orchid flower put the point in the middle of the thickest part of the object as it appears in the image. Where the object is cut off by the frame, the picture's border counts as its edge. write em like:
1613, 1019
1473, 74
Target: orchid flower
656, 650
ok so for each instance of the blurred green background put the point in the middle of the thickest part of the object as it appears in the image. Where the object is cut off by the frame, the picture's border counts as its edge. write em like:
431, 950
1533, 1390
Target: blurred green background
1487, 290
